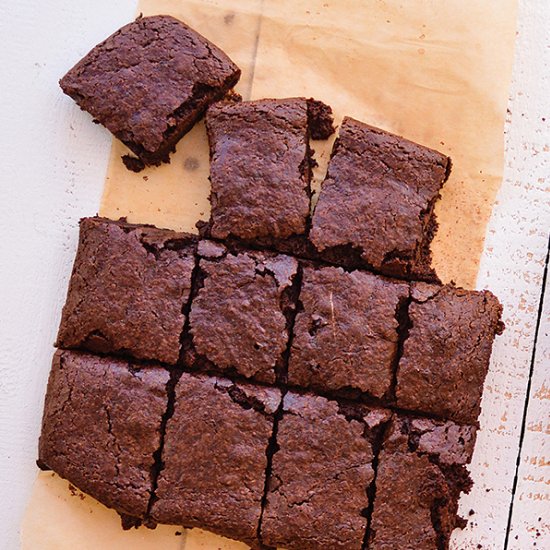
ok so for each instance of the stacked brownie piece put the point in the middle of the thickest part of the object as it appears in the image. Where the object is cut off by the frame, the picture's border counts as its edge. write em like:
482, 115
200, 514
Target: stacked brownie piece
296, 376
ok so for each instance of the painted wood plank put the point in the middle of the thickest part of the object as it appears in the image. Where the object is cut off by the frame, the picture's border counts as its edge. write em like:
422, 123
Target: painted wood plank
530, 512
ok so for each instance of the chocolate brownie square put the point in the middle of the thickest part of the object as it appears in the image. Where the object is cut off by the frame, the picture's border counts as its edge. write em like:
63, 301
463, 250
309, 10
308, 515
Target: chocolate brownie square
215, 456
240, 318
128, 289
318, 493
446, 355
346, 332
421, 473
376, 203
101, 427
149, 83
261, 166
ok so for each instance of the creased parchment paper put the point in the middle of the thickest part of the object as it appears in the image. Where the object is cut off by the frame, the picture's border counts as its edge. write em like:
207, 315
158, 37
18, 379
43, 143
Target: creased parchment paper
435, 72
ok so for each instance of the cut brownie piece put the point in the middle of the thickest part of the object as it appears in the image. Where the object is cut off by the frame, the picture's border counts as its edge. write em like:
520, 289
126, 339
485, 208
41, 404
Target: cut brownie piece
321, 471
346, 333
149, 83
376, 203
446, 355
215, 456
421, 473
128, 289
239, 320
101, 427
261, 166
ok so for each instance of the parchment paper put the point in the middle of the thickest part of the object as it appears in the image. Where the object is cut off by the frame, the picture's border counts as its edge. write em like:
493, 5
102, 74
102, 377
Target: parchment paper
435, 72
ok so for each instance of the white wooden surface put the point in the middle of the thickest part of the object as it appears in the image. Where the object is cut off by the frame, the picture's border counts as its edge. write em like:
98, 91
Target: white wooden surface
52, 173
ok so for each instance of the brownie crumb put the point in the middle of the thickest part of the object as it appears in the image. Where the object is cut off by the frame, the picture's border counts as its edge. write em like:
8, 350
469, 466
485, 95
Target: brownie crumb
134, 164
320, 119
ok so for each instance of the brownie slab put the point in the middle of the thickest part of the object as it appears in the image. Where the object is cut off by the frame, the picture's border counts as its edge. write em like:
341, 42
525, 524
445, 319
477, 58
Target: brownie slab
446, 355
128, 289
321, 472
149, 83
346, 332
376, 203
215, 456
101, 427
421, 473
261, 166
239, 320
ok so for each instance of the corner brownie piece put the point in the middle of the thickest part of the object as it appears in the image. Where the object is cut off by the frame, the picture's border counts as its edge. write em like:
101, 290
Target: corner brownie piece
376, 203
321, 473
128, 289
421, 473
261, 166
101, 427
149, 83
215, 456
346, 332
239, 320
446, 355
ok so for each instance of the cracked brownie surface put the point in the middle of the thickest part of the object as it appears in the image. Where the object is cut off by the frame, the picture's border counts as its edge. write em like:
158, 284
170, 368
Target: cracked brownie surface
261, 166
321, 471
239, 319
127, 291
101, 427
149, 82
447, 352
376, 203
215, 456
421, 473
346, 332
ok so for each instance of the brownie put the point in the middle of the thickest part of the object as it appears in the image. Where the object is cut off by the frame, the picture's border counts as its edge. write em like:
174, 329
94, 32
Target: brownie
261, 166
102, 426
376, 203
239, 320
446, 355
215, 456
421, 473
321, 471
346, 332
149, 83
128, 289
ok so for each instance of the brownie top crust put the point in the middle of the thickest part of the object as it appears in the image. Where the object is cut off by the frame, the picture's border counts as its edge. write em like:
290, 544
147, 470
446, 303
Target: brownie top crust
239, 318
102, 425
321, 471
140, 79
261, 166
128, 289
421, 473
377, 200
446, 355
346, 332
215, 456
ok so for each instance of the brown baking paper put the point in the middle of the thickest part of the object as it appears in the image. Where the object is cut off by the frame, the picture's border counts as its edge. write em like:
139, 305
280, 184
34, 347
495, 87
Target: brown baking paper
435, 72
